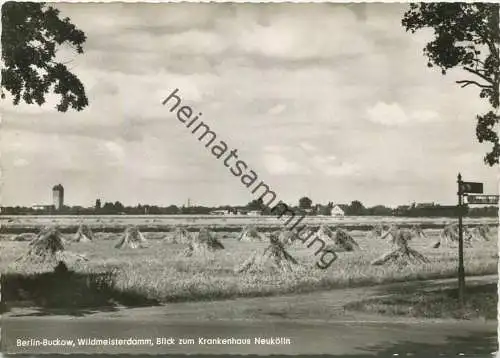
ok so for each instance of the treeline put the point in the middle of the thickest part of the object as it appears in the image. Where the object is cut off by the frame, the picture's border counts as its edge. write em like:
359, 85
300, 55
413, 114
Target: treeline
304, 207
435, 210
108, 209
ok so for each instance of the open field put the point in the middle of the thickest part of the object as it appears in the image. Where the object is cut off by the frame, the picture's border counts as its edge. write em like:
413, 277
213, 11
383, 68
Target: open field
159, 223
159, 272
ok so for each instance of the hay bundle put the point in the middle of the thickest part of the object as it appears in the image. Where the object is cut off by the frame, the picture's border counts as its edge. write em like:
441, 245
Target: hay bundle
418, 231
403, 236
84, 234
398, 236
180, 236
338, 240
449, 237
250, 233
204, 243
273, 258
286, 237
481, 233
402, 255
45, 247
48, 248
377, 231
132, 238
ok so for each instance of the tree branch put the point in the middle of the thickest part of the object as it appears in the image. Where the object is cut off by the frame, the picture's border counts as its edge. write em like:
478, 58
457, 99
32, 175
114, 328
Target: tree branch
465, 83
478, 61
477, 73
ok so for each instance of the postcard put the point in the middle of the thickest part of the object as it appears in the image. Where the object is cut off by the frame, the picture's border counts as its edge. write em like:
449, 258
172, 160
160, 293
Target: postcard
249, 179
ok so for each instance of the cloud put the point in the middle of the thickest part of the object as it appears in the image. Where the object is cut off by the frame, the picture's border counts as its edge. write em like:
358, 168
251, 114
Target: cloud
425, 116
271, 148
278, 164
308, 160
309, 92
290, 36
277, 161
20, 162
278, 109
307, 147
116, 151
330, 166
387, 114
392, 114
341, 170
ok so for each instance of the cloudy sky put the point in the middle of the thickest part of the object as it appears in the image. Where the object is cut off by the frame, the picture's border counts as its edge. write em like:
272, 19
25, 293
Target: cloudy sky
326, 100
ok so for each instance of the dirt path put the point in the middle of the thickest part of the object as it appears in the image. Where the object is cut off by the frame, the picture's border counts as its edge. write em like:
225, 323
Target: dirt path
315, 323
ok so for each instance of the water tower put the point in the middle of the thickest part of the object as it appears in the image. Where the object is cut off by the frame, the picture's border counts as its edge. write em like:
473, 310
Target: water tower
58, 196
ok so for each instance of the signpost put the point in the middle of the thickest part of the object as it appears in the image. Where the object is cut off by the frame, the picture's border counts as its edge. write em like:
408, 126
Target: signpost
483, 199
463, 189
471, 187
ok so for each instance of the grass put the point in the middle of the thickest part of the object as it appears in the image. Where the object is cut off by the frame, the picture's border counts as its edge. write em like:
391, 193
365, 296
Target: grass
69, 290
159, 272
481, 302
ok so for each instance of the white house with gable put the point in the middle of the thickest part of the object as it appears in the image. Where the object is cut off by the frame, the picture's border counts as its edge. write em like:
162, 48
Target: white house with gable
337, 211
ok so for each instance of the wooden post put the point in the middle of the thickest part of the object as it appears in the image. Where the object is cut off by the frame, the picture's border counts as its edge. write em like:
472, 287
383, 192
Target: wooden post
461, 271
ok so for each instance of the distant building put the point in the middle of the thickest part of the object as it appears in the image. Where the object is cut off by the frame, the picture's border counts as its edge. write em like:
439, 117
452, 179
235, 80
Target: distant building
425, 205
337, 211
58, 196
254, 213
220, 212
40, 207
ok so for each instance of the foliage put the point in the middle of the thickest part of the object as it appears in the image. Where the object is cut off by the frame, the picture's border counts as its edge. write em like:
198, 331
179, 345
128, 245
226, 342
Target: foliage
324, 209
379, 210
356, 208
31, 33
257, 204
466, 35
305, 203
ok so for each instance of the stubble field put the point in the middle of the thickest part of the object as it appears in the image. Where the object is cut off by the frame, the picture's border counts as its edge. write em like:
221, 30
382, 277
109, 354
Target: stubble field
160, 272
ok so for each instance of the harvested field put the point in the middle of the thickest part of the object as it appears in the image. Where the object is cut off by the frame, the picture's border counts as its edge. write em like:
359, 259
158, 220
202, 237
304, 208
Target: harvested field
168, 223
160, 271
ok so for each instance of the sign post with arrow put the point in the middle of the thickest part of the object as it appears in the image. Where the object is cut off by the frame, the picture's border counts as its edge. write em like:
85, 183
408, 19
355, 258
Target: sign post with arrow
463, 189
482, 199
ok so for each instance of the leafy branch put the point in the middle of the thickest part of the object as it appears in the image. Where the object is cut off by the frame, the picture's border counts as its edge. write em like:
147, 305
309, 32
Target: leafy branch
30, 36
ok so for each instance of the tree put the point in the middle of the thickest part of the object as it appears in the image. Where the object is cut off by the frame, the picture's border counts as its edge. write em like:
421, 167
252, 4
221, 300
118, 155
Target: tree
257, 204
324, 209
172, 209
305, 203
98, 204
356, 208
31, 33
466, 35
380, 210
118, 207
108, 208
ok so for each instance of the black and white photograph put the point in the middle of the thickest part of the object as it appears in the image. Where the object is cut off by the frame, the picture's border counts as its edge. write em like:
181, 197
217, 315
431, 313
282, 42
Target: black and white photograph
247, 178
